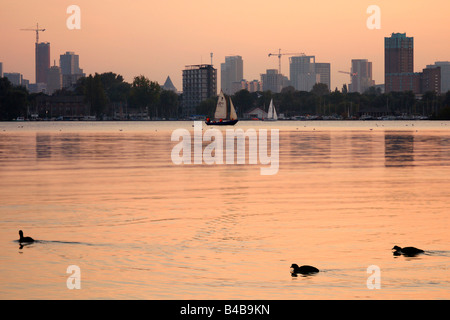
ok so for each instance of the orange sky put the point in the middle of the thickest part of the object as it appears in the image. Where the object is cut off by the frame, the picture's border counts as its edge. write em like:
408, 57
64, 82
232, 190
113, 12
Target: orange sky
158, 38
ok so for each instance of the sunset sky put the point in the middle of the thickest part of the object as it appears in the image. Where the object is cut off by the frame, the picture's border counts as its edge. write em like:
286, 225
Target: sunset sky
158, 38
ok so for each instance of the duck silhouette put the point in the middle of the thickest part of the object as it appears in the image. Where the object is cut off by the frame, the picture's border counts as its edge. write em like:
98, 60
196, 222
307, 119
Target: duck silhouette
305, 270
406, 251
24, 239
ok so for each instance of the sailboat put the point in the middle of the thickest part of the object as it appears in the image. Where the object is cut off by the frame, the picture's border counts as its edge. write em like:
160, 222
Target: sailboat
272, 113
222, 117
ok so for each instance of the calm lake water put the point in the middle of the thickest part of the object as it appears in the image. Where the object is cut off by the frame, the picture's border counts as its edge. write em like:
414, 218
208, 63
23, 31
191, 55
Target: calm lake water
106, 197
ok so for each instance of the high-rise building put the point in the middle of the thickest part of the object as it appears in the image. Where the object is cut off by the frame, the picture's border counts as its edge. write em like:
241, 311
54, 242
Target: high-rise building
42, 61
54, 79
430, 79
361, 75
323, 73
254, 86
199, 83
239, 85
399, 53
445, 74
70, 63
1, 69
25, 83
14, 77
231, 71
37, 87
399, 64
70, 68
272, 80
303, 72
250, 86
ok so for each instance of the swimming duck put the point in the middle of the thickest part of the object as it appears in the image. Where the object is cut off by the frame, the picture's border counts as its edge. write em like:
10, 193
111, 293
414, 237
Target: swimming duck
303, 269
24, 239
407, 251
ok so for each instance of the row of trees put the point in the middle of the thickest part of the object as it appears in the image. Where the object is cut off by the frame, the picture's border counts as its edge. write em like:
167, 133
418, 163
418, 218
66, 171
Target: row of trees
105, 93
13, 100
108, 91
320, 101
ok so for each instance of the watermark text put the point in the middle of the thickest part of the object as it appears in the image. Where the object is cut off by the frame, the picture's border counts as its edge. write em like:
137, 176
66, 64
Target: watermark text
214, 153
374, 20
374, 280
74, 20
74, 281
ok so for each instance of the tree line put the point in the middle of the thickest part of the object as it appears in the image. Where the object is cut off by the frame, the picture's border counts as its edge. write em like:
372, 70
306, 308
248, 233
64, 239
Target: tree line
320, 101
104, 92
13, 100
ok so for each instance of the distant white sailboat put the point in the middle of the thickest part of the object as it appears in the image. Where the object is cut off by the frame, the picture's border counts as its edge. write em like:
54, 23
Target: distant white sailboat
272, 113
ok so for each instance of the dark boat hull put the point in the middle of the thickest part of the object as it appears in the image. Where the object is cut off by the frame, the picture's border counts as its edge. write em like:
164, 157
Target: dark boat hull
223, 123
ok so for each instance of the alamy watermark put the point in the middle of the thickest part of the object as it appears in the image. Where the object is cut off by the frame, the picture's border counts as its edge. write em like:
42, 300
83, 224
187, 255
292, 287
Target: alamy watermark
374, 20
213, 153
374, 280
74, 20
74, 281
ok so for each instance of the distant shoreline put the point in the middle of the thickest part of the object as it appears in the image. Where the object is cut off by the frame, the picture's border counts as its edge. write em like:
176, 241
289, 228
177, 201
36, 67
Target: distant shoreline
240, 120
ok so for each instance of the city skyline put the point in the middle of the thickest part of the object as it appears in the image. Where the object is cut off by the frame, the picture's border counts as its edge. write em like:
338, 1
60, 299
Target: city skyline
158, 39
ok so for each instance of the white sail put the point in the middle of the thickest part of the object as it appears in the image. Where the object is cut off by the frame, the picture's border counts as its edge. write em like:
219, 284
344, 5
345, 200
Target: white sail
275, 116
272, 113
233, 115
221, 108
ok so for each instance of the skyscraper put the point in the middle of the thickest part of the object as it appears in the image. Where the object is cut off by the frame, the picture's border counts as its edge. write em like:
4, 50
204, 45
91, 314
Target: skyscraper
231, 71
70, 68
323, 73
14, 77
54, 79
239, 85
272, 80
445, 74
303, 72
430, 79
361, 75
399, 64
70, 63
199, 83
1, 69
254, 86
42, 61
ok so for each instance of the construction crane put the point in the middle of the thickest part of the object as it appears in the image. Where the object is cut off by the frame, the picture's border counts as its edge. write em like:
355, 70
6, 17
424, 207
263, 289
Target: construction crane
279, 54
37, 31
350, 73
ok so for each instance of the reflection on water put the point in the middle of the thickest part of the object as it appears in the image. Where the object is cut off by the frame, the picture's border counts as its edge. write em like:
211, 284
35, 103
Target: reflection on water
43, 146
316, 146
399, 149
108, 199
308, 148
